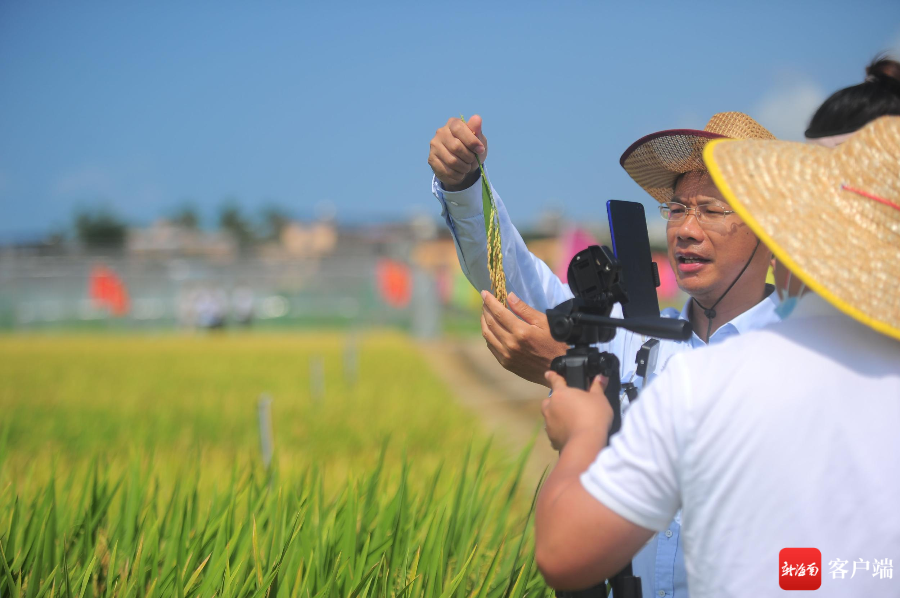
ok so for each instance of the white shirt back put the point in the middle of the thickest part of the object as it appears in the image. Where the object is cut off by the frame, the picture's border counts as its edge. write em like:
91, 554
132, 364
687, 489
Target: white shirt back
788, 437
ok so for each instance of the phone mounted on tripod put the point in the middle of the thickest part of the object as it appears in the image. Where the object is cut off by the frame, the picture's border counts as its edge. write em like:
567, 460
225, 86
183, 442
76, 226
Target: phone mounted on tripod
595, 278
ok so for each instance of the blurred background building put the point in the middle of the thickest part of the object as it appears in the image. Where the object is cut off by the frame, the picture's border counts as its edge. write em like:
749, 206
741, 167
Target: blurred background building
173, 274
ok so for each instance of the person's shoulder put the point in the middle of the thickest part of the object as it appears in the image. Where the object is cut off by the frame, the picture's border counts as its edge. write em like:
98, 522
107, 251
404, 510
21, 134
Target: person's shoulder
714, 369
707, 377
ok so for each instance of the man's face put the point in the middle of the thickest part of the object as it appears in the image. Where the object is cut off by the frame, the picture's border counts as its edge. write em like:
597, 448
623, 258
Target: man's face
707, 257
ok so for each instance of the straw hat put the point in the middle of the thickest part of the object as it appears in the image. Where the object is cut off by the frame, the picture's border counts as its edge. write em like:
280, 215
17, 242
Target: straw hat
832, 216
656, 161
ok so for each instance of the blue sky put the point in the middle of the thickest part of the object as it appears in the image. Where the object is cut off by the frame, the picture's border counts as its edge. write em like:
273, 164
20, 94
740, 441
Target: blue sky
144, 106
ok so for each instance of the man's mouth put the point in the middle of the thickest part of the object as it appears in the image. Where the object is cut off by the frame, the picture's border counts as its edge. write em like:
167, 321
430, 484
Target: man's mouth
690, 264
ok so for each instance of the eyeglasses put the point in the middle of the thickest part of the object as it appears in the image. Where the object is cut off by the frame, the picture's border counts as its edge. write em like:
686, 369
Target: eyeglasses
708, 213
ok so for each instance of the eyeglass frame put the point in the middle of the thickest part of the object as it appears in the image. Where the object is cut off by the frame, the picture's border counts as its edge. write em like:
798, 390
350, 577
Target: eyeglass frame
696, 212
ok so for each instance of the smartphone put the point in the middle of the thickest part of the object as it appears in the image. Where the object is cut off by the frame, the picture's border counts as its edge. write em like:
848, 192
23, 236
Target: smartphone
631, 245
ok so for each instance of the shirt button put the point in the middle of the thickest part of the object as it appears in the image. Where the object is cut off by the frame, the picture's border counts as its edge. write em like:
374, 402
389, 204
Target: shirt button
668, 535
661, 593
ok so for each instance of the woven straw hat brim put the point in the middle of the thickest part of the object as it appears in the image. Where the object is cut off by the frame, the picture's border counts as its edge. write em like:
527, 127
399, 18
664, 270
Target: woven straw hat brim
844, 246
656, 161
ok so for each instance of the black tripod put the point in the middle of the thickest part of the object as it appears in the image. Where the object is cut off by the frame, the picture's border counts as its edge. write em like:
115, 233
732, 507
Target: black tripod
595, 279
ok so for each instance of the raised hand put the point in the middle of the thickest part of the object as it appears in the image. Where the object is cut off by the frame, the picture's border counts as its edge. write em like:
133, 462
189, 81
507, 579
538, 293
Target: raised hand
453, 151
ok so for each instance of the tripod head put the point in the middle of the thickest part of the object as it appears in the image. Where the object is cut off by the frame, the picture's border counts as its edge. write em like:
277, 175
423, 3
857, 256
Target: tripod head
595, 277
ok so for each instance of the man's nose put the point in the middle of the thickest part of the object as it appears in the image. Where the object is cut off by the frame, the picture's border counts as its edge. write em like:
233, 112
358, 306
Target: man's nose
689, 228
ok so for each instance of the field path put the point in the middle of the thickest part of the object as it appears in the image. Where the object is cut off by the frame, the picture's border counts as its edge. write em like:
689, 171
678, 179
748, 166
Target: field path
508, 406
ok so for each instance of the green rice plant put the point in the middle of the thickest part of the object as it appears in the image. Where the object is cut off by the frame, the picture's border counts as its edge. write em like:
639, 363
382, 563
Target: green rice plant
492, 232
129, 467
102, 536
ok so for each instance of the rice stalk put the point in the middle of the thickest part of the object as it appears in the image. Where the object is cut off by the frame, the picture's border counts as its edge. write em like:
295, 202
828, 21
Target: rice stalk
492, 231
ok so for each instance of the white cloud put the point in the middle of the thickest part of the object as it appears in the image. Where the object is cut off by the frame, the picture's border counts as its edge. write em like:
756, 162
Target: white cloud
786, 109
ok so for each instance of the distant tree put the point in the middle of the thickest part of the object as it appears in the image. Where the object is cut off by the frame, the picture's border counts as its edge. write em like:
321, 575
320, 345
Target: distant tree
186, 216
99, 228
232, 221
274, 219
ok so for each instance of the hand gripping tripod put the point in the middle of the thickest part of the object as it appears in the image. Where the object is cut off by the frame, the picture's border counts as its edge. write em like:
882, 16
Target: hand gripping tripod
596, 281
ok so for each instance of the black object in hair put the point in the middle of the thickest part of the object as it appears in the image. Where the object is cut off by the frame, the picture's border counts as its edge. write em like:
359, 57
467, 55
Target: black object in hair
850, 109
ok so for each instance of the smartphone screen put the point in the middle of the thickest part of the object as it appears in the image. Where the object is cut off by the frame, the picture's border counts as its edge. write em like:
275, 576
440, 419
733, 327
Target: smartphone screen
631, 245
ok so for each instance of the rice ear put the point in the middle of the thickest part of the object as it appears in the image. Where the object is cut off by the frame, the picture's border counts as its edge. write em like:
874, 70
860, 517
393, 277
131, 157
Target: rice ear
495, 252
492, 231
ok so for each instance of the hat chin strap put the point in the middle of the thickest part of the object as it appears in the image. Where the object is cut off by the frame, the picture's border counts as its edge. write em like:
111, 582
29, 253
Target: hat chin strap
710, 312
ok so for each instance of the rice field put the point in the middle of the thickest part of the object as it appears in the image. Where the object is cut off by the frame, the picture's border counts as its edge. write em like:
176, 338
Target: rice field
131, 466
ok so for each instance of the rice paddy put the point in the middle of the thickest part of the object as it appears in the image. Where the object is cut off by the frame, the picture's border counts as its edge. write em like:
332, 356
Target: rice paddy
131, 466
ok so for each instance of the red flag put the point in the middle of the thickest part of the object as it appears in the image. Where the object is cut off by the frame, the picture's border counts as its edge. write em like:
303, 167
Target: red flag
394, 282
108, 291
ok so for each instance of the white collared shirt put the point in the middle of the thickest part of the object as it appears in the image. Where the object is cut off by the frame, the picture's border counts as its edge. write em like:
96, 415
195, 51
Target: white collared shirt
783, 438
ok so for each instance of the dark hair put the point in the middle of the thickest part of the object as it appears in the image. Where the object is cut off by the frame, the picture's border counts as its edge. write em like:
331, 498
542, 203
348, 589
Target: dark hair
852, 108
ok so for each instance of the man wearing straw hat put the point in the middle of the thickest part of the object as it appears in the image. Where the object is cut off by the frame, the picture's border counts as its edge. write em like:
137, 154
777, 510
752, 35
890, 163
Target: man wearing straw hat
786, 484
717, 259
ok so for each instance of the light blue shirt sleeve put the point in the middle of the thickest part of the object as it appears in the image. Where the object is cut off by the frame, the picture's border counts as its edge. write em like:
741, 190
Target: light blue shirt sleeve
660, 565
527, 276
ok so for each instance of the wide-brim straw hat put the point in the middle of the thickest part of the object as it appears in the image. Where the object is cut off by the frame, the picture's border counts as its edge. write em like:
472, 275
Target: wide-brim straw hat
832, 216
657, 160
